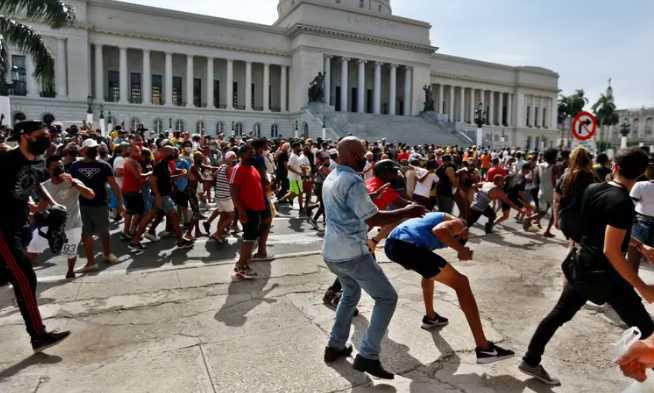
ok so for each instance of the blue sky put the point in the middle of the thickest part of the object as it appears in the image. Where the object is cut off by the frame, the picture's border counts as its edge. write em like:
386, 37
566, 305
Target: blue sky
585, 42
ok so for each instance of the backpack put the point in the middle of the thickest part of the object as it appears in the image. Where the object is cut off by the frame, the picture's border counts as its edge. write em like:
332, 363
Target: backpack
570, 213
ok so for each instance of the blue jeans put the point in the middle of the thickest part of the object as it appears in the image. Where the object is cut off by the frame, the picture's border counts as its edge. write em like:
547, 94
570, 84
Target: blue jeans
362, 272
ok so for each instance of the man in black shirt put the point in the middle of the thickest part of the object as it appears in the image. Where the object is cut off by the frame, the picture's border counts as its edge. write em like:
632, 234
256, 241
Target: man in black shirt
96, 174
602, 273
21, 176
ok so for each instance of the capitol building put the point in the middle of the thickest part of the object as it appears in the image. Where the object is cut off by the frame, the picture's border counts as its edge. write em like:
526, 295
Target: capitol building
171, 70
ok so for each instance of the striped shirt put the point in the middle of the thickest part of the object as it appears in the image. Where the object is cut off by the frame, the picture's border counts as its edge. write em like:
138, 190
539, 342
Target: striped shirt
223, 189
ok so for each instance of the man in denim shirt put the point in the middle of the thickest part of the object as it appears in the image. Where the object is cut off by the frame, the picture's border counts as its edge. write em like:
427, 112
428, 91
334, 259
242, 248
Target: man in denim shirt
349, 213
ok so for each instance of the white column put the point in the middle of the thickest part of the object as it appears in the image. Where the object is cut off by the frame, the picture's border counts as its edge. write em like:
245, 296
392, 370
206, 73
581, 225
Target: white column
61, 83
440, 99
501, 109
211, 103
169, 79
554, 116
376, 102
230, 84
408, 83
393, 91
147, 78
33, 86
462, 100
509, 110
472, 106
328, 79
450, 110
248, 86
99, 74
491, 110
361, 86
266, 87
532, 116
344, 80
283, 94
124, 78
189, 81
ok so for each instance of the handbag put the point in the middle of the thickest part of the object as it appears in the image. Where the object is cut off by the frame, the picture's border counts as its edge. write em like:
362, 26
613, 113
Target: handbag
583, 269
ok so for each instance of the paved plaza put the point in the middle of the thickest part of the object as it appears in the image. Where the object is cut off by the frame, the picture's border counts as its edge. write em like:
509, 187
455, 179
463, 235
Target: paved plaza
173, 321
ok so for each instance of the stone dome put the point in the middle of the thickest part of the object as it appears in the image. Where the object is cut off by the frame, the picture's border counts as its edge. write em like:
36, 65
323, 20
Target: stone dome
376, 6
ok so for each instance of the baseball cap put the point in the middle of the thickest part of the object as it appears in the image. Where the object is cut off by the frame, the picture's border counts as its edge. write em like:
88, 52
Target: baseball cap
25, 127
89, 143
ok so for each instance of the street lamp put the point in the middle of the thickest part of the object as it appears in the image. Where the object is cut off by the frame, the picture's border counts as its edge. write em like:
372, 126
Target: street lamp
625, 129
481, 116
89, 111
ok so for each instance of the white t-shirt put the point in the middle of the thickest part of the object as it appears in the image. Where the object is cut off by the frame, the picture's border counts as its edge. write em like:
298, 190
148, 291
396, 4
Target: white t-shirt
423, 188
68, 196
119, 163
643, 195
294, 162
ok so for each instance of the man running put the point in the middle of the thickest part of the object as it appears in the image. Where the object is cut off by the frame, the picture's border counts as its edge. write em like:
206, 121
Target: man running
21, 176
411, 245
481, 205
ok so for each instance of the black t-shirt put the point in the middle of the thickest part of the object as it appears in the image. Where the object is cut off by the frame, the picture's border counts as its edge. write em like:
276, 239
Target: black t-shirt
514, 185
444, 185
602, 172
576, 189
164, 183
19, 178
94, 174
606, 204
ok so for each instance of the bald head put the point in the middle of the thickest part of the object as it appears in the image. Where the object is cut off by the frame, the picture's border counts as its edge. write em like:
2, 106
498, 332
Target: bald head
351, 152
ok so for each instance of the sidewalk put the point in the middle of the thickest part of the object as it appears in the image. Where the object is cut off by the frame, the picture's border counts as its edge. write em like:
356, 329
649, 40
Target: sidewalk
194, 330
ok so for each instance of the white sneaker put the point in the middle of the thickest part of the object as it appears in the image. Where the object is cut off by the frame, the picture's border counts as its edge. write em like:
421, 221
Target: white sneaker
151, 237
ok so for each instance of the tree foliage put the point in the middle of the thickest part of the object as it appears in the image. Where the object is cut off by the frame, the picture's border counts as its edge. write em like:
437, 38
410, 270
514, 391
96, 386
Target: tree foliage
54, 13
570, 106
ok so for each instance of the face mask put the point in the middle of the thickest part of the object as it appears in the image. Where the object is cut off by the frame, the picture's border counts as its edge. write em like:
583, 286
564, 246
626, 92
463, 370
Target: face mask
92, 152
234, 162
39, 145
57, 171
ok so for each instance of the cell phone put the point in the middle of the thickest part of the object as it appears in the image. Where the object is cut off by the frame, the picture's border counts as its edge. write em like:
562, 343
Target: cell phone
629, 338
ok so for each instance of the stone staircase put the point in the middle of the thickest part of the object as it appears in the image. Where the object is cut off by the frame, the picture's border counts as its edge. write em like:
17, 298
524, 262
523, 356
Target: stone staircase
412, 130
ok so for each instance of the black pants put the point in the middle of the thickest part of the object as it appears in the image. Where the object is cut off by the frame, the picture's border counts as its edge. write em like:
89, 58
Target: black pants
336, 286
624, 300
321, 207
21, 275
473, 216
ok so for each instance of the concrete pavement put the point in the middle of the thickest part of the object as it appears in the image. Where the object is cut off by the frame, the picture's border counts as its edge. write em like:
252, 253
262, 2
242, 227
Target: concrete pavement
187, 327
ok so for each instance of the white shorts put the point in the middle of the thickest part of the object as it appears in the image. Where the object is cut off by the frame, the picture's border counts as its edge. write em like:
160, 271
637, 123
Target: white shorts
39, 244
225, 205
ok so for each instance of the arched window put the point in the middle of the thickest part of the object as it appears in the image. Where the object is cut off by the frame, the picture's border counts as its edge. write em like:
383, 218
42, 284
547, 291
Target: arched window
238, 129
256, 129
305, 130
274, 131
179, 125
19, 116
134, 123
220, 127
48, 118
200, 128
158, 126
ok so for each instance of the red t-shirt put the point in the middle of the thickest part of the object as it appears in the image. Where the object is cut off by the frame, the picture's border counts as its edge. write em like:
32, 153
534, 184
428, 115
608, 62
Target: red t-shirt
403, 156
386, 198
248, 180
494, 171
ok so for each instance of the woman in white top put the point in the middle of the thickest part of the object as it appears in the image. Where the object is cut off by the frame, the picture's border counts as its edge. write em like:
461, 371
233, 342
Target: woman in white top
425, 180
643, 229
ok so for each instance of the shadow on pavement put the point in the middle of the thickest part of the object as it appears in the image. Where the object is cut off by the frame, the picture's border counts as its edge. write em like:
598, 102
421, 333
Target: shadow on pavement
37, 358
237, 305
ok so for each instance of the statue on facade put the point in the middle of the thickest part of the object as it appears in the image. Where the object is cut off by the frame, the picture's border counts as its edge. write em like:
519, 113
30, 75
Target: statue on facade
429, 99
317, 88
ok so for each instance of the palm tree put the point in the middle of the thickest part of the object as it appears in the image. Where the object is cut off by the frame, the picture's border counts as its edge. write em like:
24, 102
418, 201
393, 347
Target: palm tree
54, 13
604, 109
569, 107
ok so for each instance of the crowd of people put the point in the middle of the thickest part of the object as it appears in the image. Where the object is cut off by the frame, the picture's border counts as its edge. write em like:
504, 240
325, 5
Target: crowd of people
63, 188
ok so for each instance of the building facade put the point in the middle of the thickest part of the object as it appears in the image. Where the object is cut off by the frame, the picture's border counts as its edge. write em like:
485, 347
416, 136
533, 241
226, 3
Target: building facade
641, 122
179, 71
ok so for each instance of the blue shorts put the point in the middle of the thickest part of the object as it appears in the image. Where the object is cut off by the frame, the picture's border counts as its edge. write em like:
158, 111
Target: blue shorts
167, 204
643, 230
